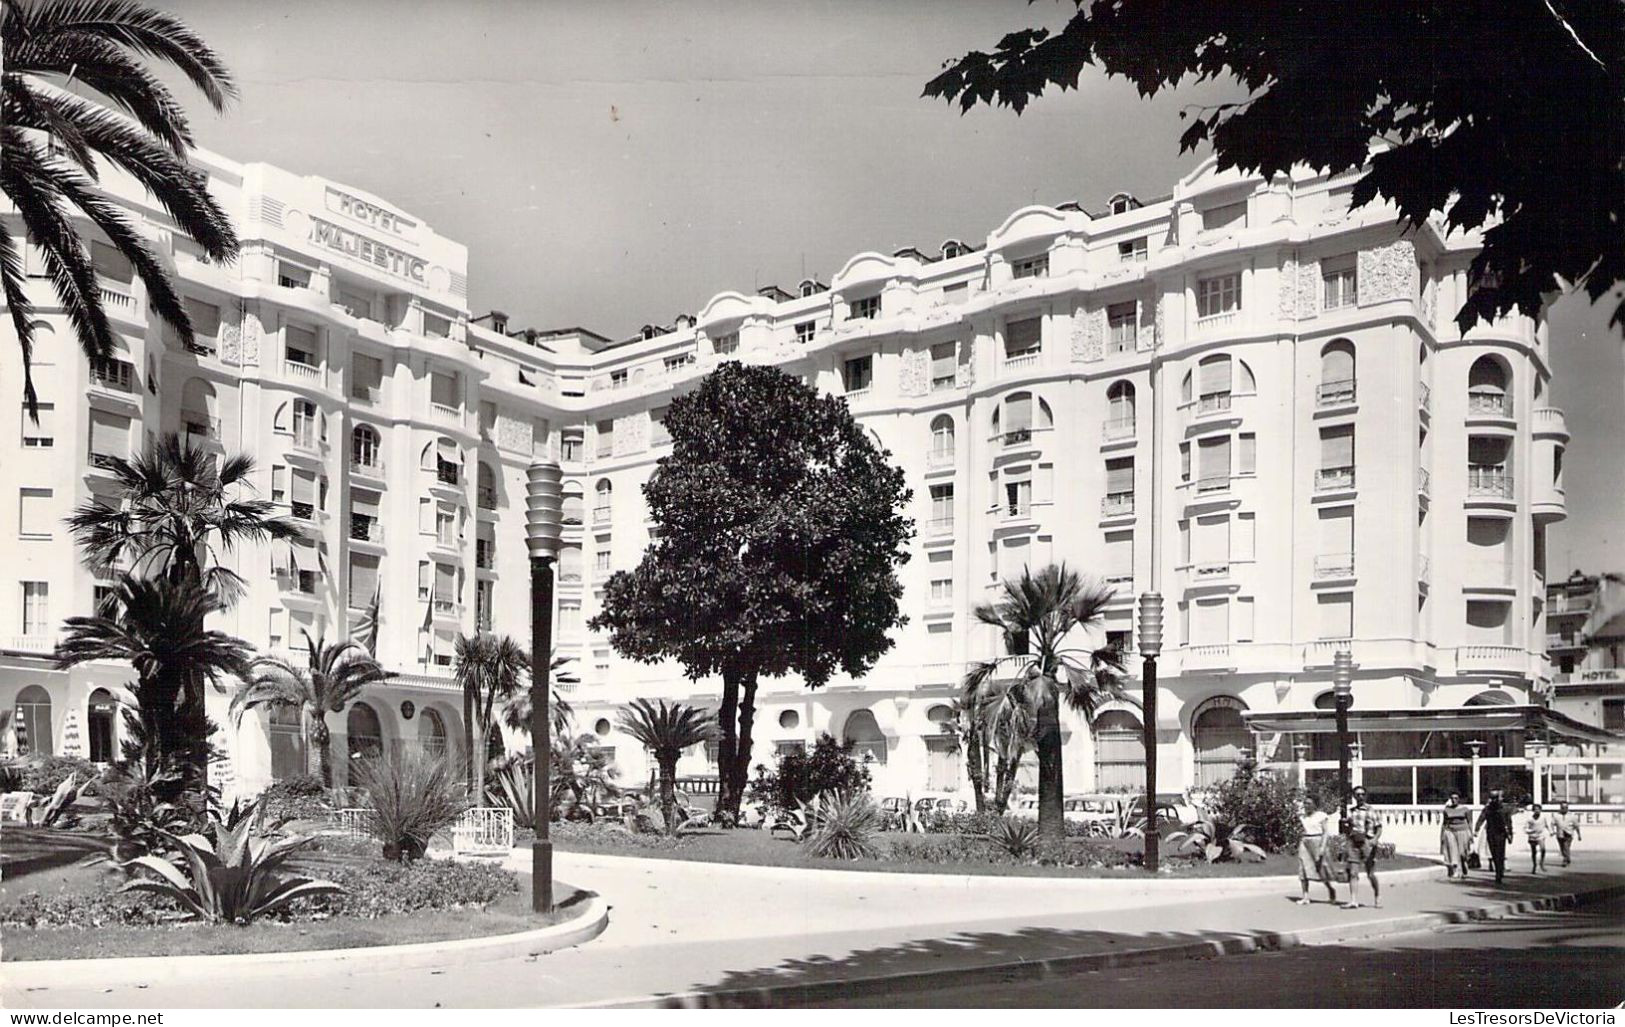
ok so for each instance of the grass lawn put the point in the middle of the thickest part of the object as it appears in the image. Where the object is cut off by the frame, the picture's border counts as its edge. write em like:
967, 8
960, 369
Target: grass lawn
44, 861
764, 849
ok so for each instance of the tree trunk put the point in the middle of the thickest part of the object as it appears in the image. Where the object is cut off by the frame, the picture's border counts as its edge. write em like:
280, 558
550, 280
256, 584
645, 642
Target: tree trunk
322, 739
727, 743
976, 766
668, 795
468, 737
1051, 789
739, 769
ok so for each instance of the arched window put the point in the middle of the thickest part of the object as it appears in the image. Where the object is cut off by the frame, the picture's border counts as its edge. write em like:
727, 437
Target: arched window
864, 732
1119, 751
953, 248
1120, 410
366, 448
1213, 384
603, 501
287, 737
1246, 384
1336, 372
364, 738
942, 439
1492, 697
101, 716
33, 718
198, 420
571, 506
1487, 388
1220, 738
487, 490
1019, 415
446, 461
1185, 388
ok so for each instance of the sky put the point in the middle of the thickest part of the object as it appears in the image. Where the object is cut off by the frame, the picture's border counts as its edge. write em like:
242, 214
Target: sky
615, 163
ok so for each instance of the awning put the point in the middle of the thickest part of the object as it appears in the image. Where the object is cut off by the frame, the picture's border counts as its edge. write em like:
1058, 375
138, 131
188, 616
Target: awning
1525, 717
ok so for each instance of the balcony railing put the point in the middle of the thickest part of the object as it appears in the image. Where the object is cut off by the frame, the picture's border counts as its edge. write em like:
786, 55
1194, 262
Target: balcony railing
1210, 571
1334, 565
937, 458
446, 412
1210, 322
1208, 655
301, 371
1012, 511
486, 497
1423, 396
944, 384
1118, 428
1334, 393
1123, 582
1334, 479
484, 554
1423, 481
105, 461
364, 528
1013, 361
451, 607
1117, 504
116, 375
448, 474
372, 466
308, 438
1490, 657
1495, 404
937, 527
1320, 652
1492, 482
1564, 642
602, 514
1213, 403
1213, 483
302, 511
368, 395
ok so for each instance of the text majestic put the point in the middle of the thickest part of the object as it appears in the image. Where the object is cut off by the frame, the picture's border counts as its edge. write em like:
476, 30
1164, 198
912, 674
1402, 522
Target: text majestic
367, 250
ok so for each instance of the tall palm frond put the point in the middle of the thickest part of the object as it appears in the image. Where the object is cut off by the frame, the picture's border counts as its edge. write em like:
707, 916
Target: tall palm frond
489, 669
53, 143
666, 730
516, 711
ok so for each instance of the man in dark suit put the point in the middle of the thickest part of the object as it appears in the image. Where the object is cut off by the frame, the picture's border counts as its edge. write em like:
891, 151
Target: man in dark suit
1496, 822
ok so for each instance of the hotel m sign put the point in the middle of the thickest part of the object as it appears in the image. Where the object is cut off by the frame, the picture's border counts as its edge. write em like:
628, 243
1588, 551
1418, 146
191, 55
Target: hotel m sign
363, 248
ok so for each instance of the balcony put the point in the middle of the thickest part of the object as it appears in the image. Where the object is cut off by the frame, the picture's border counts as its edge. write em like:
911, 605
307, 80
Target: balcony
1489, 483
364, 528
1489, 404
200, 429
299, 371
1334, 566
367, 395
1018, 511
1213, 483
115, 296
1210, 573
302, 511
484, 554
367, 465
937, 459
1569, 641
106, 461
1335, 394
1118, 428
1209, 657
1017, 437
602, 515
1506, 659
112, 375
1213, 403
939, 527
306, 437
1424, 397
1320, 652
1216, 322
1549, 422
1017, 361
944, 384
1117, 504
486, 497
444, 607
1121, 584
1423, 482
1334, 479
448, 474
447, 413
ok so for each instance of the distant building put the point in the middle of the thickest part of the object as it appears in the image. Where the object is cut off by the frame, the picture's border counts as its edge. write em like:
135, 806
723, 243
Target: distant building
1586, 643
1242, 396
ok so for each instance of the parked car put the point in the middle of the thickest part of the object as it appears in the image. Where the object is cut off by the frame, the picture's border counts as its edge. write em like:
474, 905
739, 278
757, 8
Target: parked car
940, 804
1097, 811
1024, 808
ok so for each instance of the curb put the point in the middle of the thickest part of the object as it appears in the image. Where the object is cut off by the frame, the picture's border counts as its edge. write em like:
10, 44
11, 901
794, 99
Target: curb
981, 882
27, 974
784, 995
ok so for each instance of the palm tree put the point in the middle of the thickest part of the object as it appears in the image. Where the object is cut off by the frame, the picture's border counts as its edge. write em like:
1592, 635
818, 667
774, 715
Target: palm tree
55, 140
516, 711
666, 731
489, 669
180, 512
334, 674
1035, 615
156, 626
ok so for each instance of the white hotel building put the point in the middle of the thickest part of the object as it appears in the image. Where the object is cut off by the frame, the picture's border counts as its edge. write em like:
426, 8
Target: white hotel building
1240, 396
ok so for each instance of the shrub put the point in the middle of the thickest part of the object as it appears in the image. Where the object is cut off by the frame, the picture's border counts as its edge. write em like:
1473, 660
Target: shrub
376, 888
231, 879
1217, 840
943, 822
411, 795
842, 825
42, 775
1085, 852
1018, 838
513, 784
301, 797
1269, 804
143, 821
97, 910
939, 849
803, 776
609, 834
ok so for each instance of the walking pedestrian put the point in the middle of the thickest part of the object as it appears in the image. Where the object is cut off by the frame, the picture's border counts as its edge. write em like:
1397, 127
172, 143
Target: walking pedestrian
1495, 820
1313, 853
1568, 830
1363, 827
1535, 830
1456, 835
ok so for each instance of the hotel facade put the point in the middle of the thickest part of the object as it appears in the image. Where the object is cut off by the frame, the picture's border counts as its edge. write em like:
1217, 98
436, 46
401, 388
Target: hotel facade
1241, 396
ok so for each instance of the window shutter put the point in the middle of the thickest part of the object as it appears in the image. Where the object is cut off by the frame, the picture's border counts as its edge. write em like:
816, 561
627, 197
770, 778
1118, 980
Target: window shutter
369, 371
445, 581
364, 501
1211, 622
1119, 554
46, 428
1247, 455
1215, 375
301, 338
1244, 619
442, 389
1044, 483
1337, 365
1337, 531
1023, 335
1337, 447
304, 487
110, 262
942, 361
1215, 457
1337, 615
1120, 475
1212, 543
1185, 461
205, 317
34, 515
1018, 413
109, 434
363, 579
1242, 542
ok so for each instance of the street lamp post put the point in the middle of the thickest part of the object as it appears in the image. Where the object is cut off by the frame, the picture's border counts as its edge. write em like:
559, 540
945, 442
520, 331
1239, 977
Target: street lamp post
544, 498
1150, 646
1342, 690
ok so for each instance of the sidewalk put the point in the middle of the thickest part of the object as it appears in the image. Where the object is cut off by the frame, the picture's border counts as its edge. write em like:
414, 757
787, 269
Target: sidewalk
692, 930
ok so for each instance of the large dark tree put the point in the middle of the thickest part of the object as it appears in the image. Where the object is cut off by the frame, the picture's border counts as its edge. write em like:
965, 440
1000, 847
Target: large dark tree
54, 145
1510, 114
780, 528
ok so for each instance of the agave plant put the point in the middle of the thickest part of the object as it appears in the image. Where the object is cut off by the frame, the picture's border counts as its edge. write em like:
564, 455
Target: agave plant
412, 795
231, 878
1216, 840
1019, 838
841, 825
513, 784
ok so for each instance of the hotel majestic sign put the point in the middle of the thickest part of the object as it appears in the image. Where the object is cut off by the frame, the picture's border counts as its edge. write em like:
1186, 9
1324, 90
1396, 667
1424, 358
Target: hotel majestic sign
363, 248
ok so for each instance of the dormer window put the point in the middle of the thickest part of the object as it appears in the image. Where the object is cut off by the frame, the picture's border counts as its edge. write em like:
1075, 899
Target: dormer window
812, 287
724, 344
617, 379
1132, 251
1032, 267
1122, 203
805, 331
865, 308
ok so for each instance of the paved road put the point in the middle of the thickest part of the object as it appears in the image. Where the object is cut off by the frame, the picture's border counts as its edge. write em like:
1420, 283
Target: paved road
1537, 960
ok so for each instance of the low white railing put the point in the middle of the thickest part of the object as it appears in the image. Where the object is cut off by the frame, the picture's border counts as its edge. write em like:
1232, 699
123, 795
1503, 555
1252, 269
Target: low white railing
1117, 504
302, 371
1021, 360
1334, 565
483, 831
1118, 428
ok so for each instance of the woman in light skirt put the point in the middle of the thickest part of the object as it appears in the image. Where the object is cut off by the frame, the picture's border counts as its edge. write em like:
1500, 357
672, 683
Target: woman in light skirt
1312, 855
1456, 835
